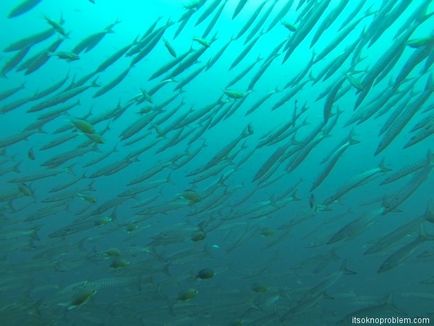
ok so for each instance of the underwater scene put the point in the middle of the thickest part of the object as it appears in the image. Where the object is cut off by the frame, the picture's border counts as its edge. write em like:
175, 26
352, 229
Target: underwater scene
216, 162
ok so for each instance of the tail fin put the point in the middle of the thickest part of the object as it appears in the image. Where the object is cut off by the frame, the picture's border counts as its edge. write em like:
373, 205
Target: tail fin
16, 167
388, 301
423, 236
429, 214
383, 167
95, 83
351, 139
345, 269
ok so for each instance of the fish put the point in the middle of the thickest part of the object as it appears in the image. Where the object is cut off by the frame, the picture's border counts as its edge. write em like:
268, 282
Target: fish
39, 59
64, 157
355, 227
61, 97
390, 18
383, 308
234, 94
13, 62
339, 38
258, 104
214, 20
246, 50
391, 203
251, 20
328, 20
11, 91
394, 51
58, 141
170, 65
150, 42
188, 62
113, 58
79, 299
14, 139
247, 131
272, 160
23, 7
403, 119
282, 13
330, 100
57, 26
50, 89
333, 160
357, 181
403, 253
30, 40
241, 4
218, 55
261, 72
151, 149
169, 48
419, 55
303, 30
314, 294
290, 27
212, 6
400, 233
260, 23
189, 78
420, 135
113, 83
93, 40
202, 41
65, 55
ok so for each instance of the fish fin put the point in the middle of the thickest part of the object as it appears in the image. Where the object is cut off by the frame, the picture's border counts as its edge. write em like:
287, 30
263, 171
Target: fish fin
429, 214
91, 186
352, 140
429, 84
10, 204
385, 204
311, 77
114, 215
294, 141
248, 130
169, 179
159, 132
334, 255
95, 83
328, 296
388, 301
345, 269
69, 170
383, 167
16, 167
34, 235
295, 196
429, 157
423, 236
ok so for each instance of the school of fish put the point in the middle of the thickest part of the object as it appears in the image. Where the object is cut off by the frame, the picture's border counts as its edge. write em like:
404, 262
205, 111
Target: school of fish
225, 162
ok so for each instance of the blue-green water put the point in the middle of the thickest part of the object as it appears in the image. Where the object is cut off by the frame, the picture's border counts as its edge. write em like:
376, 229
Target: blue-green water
301, 194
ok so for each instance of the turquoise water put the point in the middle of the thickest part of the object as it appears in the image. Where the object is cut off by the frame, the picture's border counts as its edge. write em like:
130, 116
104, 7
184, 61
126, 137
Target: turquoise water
301, 194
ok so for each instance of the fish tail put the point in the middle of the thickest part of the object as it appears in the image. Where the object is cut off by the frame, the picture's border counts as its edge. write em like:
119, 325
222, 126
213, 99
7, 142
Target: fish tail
429, 214
17, 167
344, 268
383, 167
95, 83
388, 301
352, 140
423, 236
